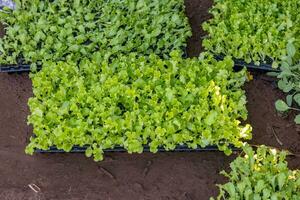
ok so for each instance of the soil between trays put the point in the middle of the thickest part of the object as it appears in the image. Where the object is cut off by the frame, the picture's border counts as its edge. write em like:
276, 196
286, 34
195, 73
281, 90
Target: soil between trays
162, 176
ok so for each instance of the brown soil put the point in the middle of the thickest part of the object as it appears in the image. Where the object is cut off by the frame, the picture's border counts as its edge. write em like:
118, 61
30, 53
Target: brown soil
161, 176
269, 128
197, 12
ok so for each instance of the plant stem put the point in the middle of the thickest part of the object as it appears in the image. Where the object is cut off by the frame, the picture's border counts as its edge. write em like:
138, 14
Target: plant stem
297, 109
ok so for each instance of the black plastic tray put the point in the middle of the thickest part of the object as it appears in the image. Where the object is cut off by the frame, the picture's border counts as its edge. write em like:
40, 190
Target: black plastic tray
19, 68
238, 63
180, 148
16, 68
252, 66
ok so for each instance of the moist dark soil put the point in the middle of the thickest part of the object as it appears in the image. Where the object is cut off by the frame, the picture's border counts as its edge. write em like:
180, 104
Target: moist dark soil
161, 176
197, 12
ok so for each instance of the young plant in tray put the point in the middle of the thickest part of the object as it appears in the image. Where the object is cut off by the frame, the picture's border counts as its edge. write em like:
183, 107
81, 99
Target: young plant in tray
61, 29
289, 82
253, 30
262, 174
135, 101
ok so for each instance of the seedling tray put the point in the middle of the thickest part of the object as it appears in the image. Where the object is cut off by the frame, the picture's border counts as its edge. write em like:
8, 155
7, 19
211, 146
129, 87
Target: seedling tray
251, 66
179, 148
238, 63
16, 68
19, 68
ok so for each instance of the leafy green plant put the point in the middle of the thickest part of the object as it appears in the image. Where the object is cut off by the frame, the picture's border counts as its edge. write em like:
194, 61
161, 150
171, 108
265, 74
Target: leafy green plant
58, 30
260, 175
253, 30
135, 101
289, 82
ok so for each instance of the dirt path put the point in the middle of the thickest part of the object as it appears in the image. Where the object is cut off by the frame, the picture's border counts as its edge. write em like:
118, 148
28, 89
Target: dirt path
162, 176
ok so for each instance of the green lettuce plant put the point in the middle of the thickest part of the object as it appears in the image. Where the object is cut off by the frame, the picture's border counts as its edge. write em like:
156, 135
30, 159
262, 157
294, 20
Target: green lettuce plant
260, 175
134, 101
289, 82
58, 30
253, 30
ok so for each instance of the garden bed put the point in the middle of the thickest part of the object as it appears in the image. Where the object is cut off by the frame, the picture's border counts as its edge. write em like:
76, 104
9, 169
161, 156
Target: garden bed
162, 176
